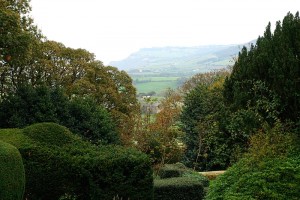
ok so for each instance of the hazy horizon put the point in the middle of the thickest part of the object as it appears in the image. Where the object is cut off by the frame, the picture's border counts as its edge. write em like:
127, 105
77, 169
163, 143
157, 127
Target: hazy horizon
114, 29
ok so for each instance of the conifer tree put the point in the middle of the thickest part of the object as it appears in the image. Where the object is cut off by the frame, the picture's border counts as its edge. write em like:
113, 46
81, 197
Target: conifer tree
274, 62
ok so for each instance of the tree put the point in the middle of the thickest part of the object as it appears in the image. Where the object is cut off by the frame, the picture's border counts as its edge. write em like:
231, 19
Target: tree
83, 116
274, 64
166, 136
203, 120
29, 59
157, 131
91, 121
207, 78
16, 36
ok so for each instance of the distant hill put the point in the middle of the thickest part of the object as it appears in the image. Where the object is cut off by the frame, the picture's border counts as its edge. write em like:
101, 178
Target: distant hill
178, 61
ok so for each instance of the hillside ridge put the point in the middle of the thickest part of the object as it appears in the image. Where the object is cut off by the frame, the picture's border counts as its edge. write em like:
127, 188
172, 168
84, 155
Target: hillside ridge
176, 59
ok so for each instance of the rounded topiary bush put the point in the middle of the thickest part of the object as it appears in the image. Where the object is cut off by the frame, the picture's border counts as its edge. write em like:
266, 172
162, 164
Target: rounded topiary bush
49, 134
79, 169
12, 175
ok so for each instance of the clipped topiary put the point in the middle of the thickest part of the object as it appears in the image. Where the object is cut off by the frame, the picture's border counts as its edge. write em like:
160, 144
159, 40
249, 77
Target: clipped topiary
49, 134
180, 170
179, 188
172, 170
109, 171
12, 175
74, 168
176, 181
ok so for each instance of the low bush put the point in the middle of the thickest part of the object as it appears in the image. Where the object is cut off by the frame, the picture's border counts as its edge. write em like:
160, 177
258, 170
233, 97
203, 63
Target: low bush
271, 170
199, 177
112, 171
172, 170
12, 175
176, 181
277, 178
180, 170
76, 168
49, 134
179, 188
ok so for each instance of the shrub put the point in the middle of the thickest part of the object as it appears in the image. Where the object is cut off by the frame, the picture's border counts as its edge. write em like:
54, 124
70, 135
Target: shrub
271, 169
172, 170
180, 170
112, 171
195, 175
74, 168
84, 117
49, 134
47, 168
12, 175
277, 178
176, 181
181, 188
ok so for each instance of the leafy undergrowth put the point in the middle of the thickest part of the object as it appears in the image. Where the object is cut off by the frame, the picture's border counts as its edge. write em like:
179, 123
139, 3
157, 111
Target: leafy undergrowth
271, 170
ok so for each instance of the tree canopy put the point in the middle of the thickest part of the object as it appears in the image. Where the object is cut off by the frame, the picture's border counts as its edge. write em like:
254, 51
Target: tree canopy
269, 71
28, 59
263, 88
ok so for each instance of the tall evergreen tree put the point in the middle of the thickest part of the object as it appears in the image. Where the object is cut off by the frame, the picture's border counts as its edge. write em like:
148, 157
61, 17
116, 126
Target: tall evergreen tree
274, 63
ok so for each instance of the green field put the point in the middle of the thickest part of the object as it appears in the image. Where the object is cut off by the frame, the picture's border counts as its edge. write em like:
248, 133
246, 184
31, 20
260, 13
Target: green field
155, 79
156, 84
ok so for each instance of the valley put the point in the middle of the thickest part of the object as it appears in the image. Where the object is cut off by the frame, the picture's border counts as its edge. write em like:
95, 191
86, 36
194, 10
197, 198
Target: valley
153, 70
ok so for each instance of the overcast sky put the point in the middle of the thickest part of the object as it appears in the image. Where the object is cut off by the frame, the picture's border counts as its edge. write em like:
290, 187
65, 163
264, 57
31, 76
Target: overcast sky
113, 29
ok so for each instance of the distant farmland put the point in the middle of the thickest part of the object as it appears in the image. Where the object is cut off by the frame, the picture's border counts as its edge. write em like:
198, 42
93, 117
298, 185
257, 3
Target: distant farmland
156, 84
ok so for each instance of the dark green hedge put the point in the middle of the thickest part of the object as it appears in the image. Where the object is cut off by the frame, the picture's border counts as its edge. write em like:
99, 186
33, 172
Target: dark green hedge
12, 175
49, 134
172, 170
179, 188
176, 181
78, 168
180, 170
113, 171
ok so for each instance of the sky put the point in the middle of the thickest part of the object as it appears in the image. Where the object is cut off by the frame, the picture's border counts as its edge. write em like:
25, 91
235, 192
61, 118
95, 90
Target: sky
113, 29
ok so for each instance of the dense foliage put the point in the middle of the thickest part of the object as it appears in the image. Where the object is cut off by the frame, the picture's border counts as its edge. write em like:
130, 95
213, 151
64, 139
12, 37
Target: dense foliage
263, 90
12, 175
219, 119
82, 116
72, 167
157, 130
210, 123
28, 59
203, 119
269, 171
266, 77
